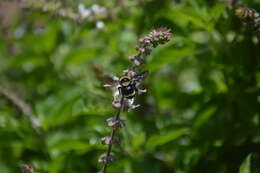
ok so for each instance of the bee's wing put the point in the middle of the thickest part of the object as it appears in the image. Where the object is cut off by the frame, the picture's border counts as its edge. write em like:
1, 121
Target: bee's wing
140, 76
112, 82
109, 81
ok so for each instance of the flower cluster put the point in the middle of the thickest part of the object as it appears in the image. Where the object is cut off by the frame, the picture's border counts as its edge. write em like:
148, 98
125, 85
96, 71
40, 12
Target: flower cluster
146, 43
250, 17
128, 86
28, 169
93, 14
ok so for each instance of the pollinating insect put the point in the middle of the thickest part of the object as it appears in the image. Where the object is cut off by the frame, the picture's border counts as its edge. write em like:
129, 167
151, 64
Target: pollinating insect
128, 86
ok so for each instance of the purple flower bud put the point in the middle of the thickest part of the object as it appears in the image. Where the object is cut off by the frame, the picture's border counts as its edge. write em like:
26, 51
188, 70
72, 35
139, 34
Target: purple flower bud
106, 159
136, 59
107, 140
140, 49
246, 13
137, 62
131, 57
160, 36
116, 104
115, 123
145, 41
129, 72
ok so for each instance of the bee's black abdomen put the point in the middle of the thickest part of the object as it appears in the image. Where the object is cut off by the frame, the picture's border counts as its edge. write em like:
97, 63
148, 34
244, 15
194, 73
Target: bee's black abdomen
130, 97
128, 91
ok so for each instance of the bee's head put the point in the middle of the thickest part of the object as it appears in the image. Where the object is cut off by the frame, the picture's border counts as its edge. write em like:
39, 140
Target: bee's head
125, 81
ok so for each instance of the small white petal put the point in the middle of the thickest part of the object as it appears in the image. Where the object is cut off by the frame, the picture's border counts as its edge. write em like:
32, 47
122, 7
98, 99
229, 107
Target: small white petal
81, 7
84, 12
100, 25
95, 7
98, 10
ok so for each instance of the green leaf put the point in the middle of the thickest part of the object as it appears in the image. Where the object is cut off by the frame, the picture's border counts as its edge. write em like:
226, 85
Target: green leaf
204, 117
80, 55
187, 15
215, 14
4, 168
168, 56
158, 140
138, 140
245, 166
70, 144
56, 164
128, 167
217, 11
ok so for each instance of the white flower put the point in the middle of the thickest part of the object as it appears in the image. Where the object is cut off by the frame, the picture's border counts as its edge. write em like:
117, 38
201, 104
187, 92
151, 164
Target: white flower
129, 104
84, 12
100, 24
98, 10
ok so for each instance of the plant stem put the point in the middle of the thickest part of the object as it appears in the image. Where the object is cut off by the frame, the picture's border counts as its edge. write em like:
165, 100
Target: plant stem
21, 105
113, 134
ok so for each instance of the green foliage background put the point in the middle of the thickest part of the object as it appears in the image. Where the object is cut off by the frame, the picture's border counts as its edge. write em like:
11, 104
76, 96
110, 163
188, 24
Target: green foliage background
201, 112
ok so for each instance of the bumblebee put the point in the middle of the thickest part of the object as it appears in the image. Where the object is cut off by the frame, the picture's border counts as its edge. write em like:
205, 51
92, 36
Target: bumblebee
127, 87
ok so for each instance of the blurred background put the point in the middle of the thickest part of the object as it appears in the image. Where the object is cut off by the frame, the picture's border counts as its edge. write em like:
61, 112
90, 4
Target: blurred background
201, 112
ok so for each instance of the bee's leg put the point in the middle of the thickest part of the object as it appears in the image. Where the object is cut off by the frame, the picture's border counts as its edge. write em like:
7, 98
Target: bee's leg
107, 85
141, 91
119, 90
